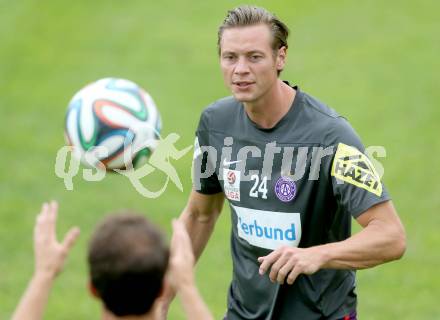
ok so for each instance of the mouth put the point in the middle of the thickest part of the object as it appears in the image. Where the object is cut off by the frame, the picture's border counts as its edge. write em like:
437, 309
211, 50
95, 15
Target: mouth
242, 84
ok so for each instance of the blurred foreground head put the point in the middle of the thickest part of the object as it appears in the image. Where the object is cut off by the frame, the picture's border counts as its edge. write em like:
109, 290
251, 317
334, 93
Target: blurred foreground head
128, 258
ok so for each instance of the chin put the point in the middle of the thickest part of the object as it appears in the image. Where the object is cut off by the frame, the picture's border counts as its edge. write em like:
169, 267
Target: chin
243, 97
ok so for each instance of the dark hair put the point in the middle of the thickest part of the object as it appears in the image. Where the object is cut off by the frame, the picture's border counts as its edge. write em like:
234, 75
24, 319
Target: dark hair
127, 258
248, 16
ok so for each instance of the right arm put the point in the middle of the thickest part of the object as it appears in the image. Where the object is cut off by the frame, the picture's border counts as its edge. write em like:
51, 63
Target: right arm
200, 216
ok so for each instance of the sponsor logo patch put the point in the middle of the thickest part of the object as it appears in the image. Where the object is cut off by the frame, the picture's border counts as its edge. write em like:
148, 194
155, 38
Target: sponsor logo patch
231, 177
268, 229
231, 180
352, 166
285, 189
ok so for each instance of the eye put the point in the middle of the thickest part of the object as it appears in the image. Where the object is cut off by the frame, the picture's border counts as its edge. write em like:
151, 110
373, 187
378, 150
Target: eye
255, 57
228, 57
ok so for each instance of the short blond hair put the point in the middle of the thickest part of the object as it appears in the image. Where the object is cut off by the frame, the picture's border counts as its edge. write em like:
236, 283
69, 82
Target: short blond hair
250, 15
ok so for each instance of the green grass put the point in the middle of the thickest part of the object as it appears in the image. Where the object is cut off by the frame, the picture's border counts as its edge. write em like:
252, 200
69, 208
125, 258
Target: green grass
376, 62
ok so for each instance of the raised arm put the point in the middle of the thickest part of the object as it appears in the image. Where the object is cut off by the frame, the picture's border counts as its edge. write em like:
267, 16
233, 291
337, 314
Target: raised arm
382, 239
50, 256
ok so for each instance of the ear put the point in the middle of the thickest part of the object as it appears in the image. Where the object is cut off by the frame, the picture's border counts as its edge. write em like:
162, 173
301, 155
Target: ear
93, 291
281, 58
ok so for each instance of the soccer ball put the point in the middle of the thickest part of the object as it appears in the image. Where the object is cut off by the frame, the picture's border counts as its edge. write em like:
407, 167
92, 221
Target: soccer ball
112, 124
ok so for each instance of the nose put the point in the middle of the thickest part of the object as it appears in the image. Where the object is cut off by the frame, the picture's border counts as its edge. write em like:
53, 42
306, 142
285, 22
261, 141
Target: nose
241, 66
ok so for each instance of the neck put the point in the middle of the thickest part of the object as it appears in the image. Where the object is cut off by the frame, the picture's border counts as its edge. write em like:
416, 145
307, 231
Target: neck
272, 107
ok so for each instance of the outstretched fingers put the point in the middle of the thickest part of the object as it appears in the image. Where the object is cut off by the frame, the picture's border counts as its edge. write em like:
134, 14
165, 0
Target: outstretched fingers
52, 214
70, 238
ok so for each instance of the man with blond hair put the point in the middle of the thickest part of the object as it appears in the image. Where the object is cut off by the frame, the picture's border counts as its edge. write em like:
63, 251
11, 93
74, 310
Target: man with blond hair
294, 173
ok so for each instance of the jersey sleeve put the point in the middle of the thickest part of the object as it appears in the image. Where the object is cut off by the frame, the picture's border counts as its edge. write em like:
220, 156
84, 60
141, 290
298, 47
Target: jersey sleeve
356, 184
205, 179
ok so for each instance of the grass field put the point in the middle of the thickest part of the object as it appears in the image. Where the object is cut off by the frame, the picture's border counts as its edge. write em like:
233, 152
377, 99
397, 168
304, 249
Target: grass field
376, 62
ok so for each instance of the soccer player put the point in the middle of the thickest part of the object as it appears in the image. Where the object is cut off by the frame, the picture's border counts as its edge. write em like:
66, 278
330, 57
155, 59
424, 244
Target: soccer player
294, 173
128, 258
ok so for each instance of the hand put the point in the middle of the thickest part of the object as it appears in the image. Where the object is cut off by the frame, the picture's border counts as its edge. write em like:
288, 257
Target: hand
50, 255
290, 262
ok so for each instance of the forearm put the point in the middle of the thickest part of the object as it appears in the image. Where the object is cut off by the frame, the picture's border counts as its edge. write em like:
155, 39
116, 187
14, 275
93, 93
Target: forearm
381, 240
375, 244
34, 300
193, 304
199, 228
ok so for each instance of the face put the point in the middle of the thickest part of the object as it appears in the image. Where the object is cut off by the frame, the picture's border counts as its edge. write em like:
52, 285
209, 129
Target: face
248, 63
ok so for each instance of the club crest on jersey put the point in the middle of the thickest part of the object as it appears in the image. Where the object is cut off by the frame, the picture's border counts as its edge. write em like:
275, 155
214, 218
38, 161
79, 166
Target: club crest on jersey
285, 189
231, 180
352, 166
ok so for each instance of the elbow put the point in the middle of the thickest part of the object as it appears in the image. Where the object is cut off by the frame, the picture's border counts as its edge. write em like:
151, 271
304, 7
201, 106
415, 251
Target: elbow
399, 243
203, 217
401, 247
